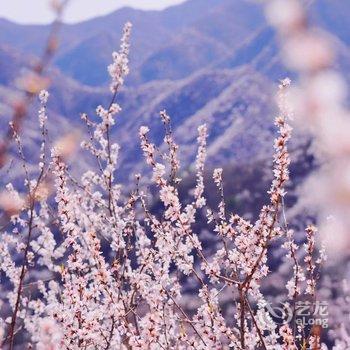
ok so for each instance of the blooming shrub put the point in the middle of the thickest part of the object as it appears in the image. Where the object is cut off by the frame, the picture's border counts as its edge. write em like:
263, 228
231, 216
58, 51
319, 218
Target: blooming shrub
88, 266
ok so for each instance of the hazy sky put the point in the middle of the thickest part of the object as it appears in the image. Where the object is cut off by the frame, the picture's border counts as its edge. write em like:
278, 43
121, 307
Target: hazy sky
38, 11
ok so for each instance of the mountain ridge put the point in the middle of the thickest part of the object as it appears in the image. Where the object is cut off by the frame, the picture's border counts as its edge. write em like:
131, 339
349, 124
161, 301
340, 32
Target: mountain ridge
192, 59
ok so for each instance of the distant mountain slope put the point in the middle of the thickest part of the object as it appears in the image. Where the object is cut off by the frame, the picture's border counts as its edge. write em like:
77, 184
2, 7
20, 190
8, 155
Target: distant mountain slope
210, 61
184, 38
13, 63
235, 104
152, 30
169, 44
211, 37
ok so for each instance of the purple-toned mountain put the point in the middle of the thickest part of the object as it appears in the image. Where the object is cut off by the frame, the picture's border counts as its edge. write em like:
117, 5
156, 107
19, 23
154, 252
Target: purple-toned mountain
213, 61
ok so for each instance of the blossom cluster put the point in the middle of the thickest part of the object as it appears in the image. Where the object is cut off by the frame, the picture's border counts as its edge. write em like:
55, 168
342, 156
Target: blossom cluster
94, 267
320, 105
120, 66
